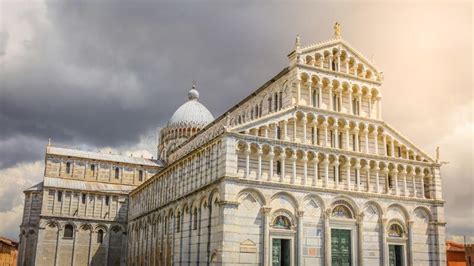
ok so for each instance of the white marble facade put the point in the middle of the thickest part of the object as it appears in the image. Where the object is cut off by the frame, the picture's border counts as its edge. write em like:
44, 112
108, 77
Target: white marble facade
304, 171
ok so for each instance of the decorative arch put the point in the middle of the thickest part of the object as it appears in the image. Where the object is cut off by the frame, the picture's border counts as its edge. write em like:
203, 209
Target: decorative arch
283, 219
351, 202
314, 197
291, 198
425, 210
401, 208
376, 205
396, 228
255, 193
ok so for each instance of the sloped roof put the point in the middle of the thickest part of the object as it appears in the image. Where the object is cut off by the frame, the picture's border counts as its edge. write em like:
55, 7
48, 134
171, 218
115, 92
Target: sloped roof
86, 185
36, 187
102, 156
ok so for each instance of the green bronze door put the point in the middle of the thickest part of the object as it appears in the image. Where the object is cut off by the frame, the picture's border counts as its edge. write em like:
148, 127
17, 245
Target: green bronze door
341, 247
395, 255
281, 252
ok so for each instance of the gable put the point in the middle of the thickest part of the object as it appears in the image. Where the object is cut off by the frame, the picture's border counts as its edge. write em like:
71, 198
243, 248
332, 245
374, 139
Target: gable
340, 53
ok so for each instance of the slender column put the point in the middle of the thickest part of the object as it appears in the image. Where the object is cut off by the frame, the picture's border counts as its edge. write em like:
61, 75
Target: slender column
265, 132
383, 229
285, 129
357, 167
327, 238
413, 179
351, 108
294, 128
336, 137
360, 239
348, 172
276, 130
387, 187
376, 140
247, 162
298, 91
282, 159
305, 121
316, 170
346, 132
316, 135
310, 92
377, 178
422, 185
407, 155
305, 168
410, 243
325, 126
405, 187
320, 95
370, 106
330, 98
266, 237
326, 171
300, 215
367, 172
293, 160
336, 174
366, 134
392, 147
259, 153
384, 136
356, 132
395, 177
271, 155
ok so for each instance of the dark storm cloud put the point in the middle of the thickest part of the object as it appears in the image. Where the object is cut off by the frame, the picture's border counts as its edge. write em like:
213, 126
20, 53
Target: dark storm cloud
104, 73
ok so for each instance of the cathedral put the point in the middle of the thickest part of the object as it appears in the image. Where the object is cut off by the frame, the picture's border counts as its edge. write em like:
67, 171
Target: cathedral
303, 171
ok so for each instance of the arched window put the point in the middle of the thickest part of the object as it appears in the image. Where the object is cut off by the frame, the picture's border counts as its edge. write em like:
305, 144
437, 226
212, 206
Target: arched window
278, 167
68, 231
140, 175
395, 230
117, 173
270, 104
195, 221
68, 168
341, 211
178, 222
281, 222
100, 236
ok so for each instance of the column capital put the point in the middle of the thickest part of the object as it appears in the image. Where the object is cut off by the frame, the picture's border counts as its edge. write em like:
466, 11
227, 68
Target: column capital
299, 213
266, 210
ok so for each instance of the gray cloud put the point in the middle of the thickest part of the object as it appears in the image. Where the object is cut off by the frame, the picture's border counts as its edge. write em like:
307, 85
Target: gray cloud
103, 74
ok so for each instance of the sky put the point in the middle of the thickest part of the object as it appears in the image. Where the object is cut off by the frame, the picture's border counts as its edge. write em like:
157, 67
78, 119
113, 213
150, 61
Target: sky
105, 75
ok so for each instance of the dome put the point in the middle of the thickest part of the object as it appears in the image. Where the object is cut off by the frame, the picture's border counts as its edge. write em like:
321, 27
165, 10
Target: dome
192, 113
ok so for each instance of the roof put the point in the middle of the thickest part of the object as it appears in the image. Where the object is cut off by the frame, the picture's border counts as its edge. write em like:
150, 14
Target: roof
36, 187
454, 246
62, 151
8, 242
192, 113
74, 184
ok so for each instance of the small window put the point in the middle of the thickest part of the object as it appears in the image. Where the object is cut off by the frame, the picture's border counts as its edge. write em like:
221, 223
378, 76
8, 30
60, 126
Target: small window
388, 150
68, 231
92, 169
100, 236
178, 222
140, 175
117, 173
278, 167
68, 168
83, 198
270, 104
313, 134
281, 101
390, 181
340, 140
60, 196
278, 132
195, 221
107, 200
315, 98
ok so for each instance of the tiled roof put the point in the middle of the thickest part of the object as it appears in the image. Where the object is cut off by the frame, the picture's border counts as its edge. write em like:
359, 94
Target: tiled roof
102, 156
86, 185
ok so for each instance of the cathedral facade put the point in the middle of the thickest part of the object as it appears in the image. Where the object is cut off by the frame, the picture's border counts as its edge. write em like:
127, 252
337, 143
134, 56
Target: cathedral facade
304, 171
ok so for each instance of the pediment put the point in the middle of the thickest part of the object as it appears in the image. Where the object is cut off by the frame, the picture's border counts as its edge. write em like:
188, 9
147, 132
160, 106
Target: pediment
319, 55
